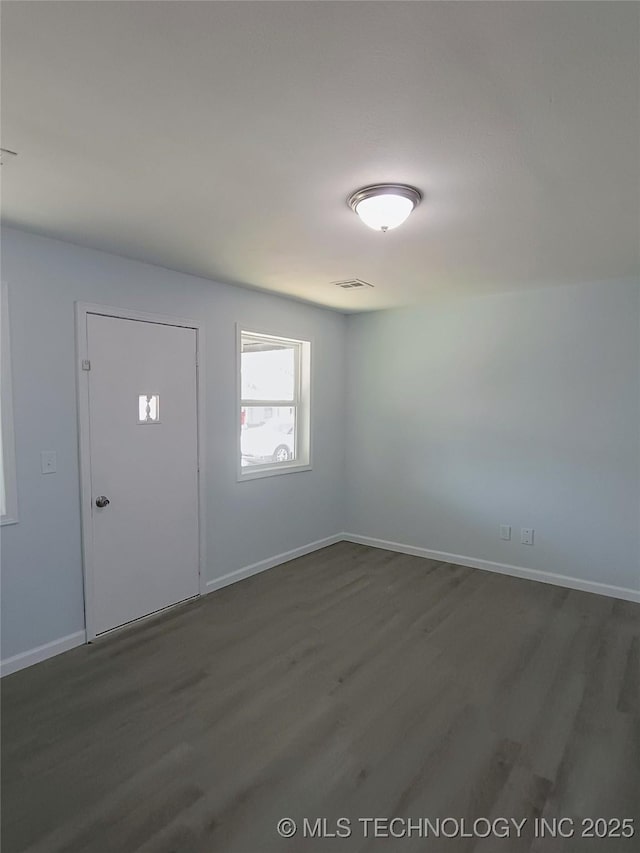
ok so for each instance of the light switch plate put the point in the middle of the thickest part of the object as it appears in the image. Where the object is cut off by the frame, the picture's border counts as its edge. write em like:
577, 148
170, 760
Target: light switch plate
505, 532
48, 462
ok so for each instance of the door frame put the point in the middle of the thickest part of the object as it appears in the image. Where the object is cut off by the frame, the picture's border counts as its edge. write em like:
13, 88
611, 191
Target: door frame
82, 311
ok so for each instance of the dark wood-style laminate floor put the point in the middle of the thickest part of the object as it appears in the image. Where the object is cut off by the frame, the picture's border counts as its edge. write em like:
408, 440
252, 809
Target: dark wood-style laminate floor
352, 683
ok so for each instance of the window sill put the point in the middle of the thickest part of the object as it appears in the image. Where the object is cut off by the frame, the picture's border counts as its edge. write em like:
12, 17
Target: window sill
258, 473
7, 519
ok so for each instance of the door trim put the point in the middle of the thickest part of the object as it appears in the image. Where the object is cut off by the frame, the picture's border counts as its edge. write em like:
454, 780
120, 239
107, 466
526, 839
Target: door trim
82, 310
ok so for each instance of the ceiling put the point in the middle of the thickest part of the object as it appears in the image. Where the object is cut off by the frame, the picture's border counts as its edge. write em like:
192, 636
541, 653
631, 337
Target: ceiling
222, 139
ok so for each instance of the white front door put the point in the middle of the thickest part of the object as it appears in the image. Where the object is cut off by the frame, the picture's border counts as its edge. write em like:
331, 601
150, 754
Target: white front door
144, 468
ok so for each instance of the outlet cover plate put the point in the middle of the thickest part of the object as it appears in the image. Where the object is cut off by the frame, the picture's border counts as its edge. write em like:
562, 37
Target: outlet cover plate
48, 462
526, 535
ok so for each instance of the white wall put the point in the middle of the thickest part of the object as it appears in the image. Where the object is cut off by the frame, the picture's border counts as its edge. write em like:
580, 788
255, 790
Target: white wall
42, 594
518, 409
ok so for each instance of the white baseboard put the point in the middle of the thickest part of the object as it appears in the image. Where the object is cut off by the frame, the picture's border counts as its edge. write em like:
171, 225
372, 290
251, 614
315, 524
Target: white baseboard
501, 568
40, 653
270, 562
64, 644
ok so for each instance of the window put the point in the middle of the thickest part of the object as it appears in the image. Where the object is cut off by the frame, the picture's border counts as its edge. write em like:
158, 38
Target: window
8, 494
149, 409
274, 413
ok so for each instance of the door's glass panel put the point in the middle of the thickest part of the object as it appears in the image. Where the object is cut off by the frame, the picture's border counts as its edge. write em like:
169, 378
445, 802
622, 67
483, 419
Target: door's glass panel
268, 435
149, 409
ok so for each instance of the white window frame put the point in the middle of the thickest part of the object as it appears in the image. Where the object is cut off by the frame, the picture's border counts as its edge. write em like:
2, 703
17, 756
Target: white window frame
8, 437
301, 402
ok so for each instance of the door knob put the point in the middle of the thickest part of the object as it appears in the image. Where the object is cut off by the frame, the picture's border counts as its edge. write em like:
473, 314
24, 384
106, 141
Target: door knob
102, 501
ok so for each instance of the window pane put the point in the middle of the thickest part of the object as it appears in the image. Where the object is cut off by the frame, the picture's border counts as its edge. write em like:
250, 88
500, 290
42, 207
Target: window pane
267, 435
268, 370
3, 494
149, 409
8, 498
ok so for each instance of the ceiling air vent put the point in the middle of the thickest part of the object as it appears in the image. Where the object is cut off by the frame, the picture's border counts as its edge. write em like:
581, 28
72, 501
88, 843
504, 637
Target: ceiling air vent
351, 283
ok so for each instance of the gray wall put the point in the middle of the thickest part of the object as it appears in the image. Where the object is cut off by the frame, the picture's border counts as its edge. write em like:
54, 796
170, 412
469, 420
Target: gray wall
42, 594
518, 409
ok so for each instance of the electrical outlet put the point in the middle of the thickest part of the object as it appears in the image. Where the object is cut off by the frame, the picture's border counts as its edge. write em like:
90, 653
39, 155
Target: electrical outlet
505, 531
526, 535
48, 462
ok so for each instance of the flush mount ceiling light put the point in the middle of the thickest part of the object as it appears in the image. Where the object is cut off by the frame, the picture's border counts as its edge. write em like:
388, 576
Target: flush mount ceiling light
384, 206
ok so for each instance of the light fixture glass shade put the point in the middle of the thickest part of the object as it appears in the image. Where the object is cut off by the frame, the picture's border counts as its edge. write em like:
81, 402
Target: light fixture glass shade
384, 212
384, 206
